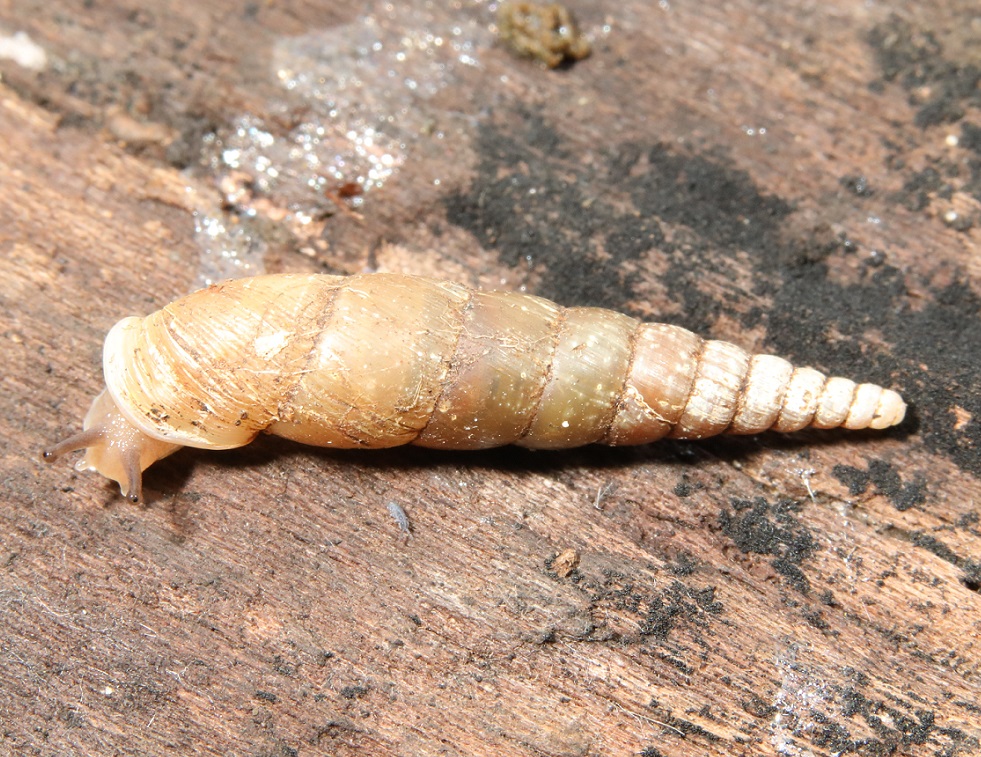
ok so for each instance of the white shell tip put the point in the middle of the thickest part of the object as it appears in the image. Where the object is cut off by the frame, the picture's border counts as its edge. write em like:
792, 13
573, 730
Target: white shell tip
890, 411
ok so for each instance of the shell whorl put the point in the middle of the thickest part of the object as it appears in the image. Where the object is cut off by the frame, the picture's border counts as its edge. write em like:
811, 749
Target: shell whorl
207, 370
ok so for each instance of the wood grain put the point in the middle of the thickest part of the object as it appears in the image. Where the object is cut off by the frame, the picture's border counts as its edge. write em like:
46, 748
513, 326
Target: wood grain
794, 177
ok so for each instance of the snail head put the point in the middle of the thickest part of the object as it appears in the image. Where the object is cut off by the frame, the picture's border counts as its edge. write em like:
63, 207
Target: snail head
113, 447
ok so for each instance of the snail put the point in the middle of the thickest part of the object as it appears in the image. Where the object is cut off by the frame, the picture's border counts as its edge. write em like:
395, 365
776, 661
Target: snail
379, 360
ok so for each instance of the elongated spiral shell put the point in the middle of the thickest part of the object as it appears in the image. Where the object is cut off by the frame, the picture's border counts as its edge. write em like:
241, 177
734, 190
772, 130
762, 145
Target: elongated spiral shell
380, 360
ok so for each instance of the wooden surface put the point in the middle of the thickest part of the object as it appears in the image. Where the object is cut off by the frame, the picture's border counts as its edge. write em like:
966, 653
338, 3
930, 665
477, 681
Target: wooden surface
796, 177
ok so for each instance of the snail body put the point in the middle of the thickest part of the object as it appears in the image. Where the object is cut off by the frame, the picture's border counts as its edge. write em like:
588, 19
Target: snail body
380, 360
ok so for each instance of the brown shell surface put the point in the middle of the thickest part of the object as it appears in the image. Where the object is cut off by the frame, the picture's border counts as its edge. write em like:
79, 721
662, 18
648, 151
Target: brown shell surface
380, 360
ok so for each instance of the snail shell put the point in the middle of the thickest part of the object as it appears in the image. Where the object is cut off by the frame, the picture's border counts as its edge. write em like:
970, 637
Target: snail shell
381, 360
